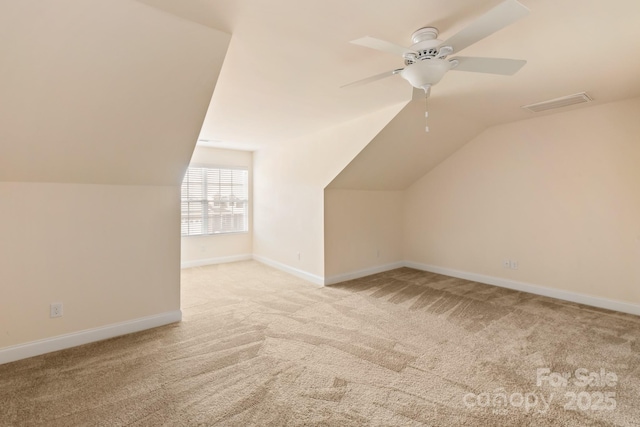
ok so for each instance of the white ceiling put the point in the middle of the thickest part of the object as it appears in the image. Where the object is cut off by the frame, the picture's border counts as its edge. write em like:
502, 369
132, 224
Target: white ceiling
288, 58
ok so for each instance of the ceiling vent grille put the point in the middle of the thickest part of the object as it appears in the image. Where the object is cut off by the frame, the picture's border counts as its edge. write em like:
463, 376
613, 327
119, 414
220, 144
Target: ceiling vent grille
565, 101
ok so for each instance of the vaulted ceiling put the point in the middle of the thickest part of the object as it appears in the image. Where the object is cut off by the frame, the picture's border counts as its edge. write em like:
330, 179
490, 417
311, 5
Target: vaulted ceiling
285, 64
102, 92
288, 58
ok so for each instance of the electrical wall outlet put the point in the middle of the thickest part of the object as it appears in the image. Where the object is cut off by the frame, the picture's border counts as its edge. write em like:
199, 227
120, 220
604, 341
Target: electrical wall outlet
510, 264
55, 309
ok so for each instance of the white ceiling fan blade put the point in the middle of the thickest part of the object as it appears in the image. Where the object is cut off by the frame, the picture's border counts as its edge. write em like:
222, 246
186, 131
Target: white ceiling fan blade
382, 45
504, 14
505, 67
373, 78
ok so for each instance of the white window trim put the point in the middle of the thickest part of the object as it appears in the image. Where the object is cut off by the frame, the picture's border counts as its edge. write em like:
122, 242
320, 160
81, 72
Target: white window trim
247, 210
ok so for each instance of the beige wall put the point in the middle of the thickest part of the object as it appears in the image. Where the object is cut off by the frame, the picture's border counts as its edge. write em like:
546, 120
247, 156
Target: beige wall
102, 103
108, 253
197, 250
560, 194
363, 230
289, 182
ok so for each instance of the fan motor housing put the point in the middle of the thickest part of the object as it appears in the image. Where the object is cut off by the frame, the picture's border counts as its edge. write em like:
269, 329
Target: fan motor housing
425, 44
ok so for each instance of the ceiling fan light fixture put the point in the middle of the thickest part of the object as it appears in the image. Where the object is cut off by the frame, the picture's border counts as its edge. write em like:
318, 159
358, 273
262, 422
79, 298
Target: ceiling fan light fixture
425, 73
425, 60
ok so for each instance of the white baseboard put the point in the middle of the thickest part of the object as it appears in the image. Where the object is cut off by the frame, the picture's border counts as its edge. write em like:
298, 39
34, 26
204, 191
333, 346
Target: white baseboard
331, 280
318, 280
218, 260
47, 345
576, 297
35, 348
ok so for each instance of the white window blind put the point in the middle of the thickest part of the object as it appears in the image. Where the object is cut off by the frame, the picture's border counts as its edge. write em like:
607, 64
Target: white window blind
214, 200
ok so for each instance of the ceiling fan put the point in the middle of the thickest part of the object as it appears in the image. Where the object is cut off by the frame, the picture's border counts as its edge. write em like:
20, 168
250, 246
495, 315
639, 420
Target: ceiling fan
426, 59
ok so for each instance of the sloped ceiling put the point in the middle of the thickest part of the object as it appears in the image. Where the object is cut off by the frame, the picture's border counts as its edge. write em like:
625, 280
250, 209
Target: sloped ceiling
281, 78
107, 92
402, 151
288, 59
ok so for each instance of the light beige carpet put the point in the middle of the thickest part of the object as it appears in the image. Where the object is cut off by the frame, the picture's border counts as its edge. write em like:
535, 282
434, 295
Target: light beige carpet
258, 347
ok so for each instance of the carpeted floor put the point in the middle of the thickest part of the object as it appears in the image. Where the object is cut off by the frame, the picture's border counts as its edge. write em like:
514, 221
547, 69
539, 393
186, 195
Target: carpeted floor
258, 347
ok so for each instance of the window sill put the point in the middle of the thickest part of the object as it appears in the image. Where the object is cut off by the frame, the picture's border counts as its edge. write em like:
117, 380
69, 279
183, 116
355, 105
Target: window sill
216, 234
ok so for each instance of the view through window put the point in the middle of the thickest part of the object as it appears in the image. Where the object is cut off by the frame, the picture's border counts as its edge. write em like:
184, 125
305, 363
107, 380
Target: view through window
214, 200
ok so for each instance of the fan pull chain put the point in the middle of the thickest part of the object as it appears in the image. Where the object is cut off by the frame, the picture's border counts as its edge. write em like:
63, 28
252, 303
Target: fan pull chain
426, 113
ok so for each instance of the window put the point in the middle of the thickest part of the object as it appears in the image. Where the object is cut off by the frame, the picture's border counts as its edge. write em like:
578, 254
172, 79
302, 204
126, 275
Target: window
214, 200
